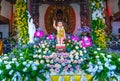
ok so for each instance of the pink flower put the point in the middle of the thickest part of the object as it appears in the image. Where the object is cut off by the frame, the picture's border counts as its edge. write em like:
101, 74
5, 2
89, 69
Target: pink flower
57, 70
77, 67
71, 69
79, 61
86, 42
66, 67
47, 57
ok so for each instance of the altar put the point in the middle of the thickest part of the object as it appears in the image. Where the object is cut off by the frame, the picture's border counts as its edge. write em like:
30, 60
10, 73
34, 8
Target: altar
57, 43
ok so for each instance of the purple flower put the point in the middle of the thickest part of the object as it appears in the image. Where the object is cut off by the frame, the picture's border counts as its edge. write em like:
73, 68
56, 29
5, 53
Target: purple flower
47, 57
57, 70
39, 34
51, 37
51, 66
77, 67
84, 29
60, 61
71, 69
66, 61
79, 61
86, 42
66, 67
75, 38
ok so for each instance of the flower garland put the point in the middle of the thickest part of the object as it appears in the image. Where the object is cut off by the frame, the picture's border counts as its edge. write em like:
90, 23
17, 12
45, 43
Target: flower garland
21, 21
98, 23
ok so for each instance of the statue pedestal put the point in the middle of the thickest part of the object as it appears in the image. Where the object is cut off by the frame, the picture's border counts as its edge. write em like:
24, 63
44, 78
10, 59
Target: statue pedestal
60, 47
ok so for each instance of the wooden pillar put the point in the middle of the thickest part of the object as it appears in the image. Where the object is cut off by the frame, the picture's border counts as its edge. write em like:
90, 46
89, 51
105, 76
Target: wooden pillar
34, 10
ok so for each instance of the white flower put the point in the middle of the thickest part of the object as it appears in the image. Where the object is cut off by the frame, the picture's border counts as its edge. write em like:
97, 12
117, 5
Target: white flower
48, 65
10, 72
93, 3
25, 69
69, 65
14, 59
1, 72
21, 58
81, 59
36, 63
40, 56
17, 64
44, 52
39, 50
63, 64
97, 56
34, 56
113, 67
5, 62
52, 61
98, 49
0, 60
109, 56
51, 70
34, 67
95, 52
81, 53
74, 51
69, 61
99, 63
21, 54
24, 63
85, 51
28, 65
76, 47
8, 66
4, 79
106, 59
75, 61
46, 49
71, 56
72, 60
101, 67
43, 56
47, 60
106, 64
102, 54
118, 59
42, 61
77, 57
30, 62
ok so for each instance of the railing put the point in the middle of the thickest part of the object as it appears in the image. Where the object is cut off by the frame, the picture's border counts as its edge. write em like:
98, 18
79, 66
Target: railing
115, 45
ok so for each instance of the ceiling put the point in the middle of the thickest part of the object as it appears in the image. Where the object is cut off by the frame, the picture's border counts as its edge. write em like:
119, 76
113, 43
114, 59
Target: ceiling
58, 1
51, 1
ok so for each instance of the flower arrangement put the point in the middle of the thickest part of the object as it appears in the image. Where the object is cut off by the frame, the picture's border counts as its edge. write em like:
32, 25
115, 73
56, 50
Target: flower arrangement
102, 65
21, 21
98, 23
20, 66
26, 61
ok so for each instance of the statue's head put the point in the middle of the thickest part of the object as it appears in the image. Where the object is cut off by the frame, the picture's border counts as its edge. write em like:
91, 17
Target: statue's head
60, 23
59, 14
31, 20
